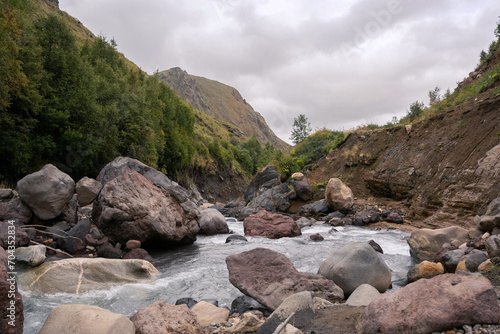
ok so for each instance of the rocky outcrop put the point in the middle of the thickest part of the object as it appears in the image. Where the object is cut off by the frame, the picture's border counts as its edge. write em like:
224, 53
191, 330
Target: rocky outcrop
81, 275
161, 318
339, 197
270, 225
207, 313
265, 179
212, 222
87, 190
46, 192
426, 243
273, 200
269, 277
84, 319
11, 302
356, 264
138, 202
432, 305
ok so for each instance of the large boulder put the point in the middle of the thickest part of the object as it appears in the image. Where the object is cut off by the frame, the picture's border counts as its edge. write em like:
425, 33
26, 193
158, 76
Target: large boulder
212, 222
207, 313
46, 192
32, 255
84, 319
355, 264
265, 179
426, 243
316, 209
339, 197
162, 318
271, 225
432, 305
472, 260
15, 209
87, 190
302, 189
138, 202
270, 277
11, 302
274, 199
82, 275
493, 246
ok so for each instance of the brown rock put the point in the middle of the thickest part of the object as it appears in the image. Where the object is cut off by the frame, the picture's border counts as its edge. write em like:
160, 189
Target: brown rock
207, 314
15, 209
133, 244
302, 189
269, 277
249, 323
426, 243
138, 253
22, 238
270, 225
339, 197
87, 190
107, 250
425, 269
316, 237
161, 318
212, 222
11, 303
432, 305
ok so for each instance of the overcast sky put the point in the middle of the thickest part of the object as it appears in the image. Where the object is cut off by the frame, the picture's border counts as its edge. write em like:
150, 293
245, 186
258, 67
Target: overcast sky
341, 63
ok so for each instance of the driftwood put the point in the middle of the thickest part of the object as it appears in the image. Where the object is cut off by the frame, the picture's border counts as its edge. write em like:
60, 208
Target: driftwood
55, 250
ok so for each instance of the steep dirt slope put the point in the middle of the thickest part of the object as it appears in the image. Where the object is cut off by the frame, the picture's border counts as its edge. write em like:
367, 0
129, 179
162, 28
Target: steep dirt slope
440, 171
223, 102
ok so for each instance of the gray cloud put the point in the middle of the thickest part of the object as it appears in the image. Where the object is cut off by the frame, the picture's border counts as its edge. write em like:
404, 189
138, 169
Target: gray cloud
340, 63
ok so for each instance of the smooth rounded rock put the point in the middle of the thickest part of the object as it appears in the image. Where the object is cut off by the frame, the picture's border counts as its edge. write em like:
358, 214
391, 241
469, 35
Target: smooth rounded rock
363, 295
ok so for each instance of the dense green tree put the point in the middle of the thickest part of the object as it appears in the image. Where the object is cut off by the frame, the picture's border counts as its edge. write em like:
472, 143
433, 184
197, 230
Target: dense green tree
301, 129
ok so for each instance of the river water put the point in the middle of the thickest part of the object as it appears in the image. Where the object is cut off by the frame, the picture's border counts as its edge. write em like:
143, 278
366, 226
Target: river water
199, 270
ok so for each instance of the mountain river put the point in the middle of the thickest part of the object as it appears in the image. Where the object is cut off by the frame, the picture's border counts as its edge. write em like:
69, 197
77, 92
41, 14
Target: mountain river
199, 270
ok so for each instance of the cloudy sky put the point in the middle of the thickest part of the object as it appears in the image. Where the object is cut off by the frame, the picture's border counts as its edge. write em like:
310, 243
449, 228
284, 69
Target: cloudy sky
341, 63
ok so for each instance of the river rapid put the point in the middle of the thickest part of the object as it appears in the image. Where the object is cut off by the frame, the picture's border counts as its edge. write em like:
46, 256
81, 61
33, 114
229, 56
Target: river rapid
199, 271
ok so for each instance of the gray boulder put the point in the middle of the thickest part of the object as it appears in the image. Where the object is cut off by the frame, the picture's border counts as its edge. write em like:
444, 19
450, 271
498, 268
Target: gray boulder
302, 189
267, 178
32, 255
84, 319
363, 295
272, 200
87, 190
138, 202
339, 197
82, 275
46, 192
451, 259
15, 209
6, 193
426, 243
316, 209
356, 264
493, 246
212, 222
22, 238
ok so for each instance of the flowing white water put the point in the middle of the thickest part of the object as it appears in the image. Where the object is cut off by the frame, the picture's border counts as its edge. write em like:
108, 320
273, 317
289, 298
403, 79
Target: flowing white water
199, 270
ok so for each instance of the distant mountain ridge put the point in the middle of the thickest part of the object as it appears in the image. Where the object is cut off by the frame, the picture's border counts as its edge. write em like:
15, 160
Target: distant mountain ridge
223, 102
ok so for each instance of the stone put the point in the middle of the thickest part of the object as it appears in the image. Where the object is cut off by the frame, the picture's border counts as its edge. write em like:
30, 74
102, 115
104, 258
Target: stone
363, 295
244, 304
6, 193
69, 212
315, 209
472, 260
432, 305
80, 275
451, 259
355, 264
212, 222
270, 225
233, 208
75, 243
339, 197
300, 304
138, 202
394, 217
15, 209
424, 269
84, 319
485, 266
249, 323
273, 200
87, 190
376, 246
106, 250
488, 223
316, 237
207, 314
302, 189
304, 222
236, 238
22, 238
133, 244
9, 294
426, 243
46, 192
190, 302
270, 277
493, 246
138, 253
297, 176
267, 178
31, 255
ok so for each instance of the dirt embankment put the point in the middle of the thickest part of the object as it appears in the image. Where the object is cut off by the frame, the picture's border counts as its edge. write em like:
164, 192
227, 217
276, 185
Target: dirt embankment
441, 171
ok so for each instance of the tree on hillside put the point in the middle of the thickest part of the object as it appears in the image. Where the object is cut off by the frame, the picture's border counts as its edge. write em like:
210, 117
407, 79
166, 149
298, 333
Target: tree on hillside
301, 129
434, 95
